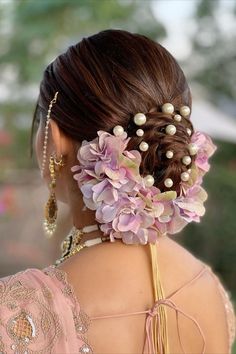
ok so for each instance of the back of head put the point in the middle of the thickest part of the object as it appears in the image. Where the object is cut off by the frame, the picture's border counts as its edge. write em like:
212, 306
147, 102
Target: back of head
107, 78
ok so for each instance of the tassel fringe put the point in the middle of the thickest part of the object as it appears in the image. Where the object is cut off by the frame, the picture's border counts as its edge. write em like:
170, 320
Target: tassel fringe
158, 294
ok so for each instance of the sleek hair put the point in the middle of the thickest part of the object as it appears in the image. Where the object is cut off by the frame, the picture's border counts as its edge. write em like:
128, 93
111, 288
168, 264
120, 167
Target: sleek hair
104, 80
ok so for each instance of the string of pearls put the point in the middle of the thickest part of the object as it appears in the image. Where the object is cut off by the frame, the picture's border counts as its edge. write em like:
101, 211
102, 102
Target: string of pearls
140, 119
45, 143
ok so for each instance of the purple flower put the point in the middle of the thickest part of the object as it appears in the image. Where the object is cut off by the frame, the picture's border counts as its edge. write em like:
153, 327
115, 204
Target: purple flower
111, 184
206, 148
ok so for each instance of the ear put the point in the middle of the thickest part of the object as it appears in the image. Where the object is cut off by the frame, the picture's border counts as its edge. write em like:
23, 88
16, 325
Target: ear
63, 144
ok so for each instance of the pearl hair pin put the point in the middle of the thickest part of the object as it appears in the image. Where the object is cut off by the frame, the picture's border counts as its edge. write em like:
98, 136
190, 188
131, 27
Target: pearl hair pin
186, 160
171, 129
189, 131
193, 149
168, 182
177, 117
169, 154
149, 180
184, 176
118, 130
168, 108
184, 111
139, 132
140, 119
143, 146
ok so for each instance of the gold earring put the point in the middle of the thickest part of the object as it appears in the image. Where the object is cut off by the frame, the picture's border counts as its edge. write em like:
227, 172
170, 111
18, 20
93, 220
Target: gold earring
50, 211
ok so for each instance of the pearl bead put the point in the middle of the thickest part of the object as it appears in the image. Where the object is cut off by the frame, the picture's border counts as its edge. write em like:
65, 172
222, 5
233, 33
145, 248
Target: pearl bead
140, 119
184, 111
167, 108
184, 176
118, 130
168, 182
189, 170
193, 149
189, 131
177, 117
143, 146
186, 160
149, 180
171, 129
169, 154
139, 132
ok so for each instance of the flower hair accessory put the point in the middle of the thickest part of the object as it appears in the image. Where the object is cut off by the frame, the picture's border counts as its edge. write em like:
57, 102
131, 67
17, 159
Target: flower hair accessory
129, 206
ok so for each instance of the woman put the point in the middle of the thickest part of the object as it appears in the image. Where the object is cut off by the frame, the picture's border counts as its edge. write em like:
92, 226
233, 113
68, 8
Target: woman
115, 142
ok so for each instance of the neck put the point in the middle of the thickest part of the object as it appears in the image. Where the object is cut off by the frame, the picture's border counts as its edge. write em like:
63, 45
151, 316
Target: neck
82, 216
91, 232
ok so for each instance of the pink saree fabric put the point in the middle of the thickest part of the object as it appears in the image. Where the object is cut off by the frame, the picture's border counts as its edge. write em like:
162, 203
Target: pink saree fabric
39, 313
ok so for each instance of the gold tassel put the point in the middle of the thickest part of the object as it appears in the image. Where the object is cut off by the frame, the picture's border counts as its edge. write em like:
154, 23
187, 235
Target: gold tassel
158, 294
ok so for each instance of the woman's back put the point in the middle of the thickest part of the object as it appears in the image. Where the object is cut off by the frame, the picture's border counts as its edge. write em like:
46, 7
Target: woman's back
137, 185
114, 278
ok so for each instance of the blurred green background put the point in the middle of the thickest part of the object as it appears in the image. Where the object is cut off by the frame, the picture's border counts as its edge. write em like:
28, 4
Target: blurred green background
201, 34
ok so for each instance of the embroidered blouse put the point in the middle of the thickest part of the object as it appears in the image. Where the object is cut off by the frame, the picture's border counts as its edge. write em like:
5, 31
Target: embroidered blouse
39, 313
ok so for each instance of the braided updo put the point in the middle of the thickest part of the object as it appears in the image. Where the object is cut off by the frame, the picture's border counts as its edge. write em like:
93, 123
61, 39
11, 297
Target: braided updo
106, 79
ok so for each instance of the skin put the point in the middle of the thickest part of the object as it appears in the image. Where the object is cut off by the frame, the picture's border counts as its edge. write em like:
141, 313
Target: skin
125, 272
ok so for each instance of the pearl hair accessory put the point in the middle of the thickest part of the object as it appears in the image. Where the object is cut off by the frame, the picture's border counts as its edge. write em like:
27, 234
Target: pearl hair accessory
193, 149
186, 160
189, 131
184, 111
171, 129
168, 108
143, 146
140, 119
118, 130
139, 132
169, 154
149, 180
184, 176
177, 117
168, 182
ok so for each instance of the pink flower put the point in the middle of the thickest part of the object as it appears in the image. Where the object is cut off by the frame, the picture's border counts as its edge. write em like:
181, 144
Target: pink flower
191, 206
206, 148
111, 184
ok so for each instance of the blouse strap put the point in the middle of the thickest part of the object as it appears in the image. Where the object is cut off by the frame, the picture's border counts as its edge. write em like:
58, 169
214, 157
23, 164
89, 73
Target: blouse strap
205, 267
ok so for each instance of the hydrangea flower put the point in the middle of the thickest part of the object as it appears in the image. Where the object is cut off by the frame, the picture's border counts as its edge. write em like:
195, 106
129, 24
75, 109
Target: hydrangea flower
109, 179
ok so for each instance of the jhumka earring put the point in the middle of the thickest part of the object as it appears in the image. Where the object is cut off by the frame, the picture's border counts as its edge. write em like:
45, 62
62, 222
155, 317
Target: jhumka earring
51, 208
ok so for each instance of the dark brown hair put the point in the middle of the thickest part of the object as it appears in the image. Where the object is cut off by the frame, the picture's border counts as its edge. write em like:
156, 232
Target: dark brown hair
106, 79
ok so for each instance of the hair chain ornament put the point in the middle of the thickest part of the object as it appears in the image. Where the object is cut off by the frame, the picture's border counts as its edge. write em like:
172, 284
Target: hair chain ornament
127, 205
45, 143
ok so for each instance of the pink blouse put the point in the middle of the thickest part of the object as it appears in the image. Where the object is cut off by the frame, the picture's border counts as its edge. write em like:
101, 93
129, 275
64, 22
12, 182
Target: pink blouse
39, 313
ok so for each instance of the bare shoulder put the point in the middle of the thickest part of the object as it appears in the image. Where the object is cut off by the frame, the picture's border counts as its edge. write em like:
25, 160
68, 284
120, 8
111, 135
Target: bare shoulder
206, 299
117, 277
